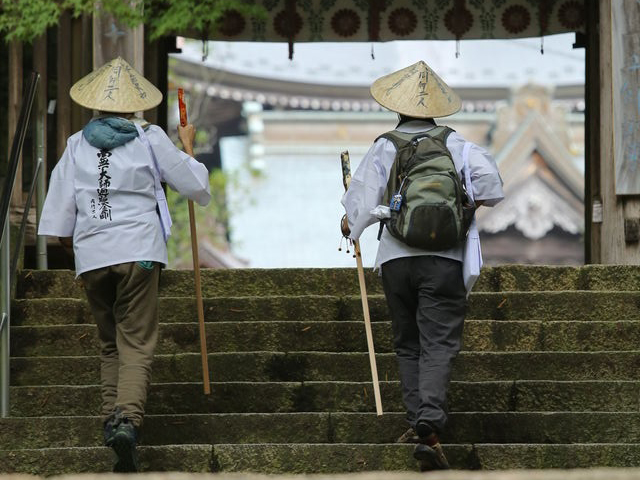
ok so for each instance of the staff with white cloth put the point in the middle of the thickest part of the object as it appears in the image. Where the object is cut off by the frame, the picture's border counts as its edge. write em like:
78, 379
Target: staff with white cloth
105, 200
425, 290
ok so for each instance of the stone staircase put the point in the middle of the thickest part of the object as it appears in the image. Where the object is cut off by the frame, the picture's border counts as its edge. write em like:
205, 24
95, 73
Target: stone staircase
548, 376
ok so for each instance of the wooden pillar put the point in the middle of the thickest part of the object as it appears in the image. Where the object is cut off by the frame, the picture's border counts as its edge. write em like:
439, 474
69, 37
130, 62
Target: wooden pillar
39, 115
63, 102
593, 195
15, 101
81, 65
156, 65
618, 245
74, 61
112, 39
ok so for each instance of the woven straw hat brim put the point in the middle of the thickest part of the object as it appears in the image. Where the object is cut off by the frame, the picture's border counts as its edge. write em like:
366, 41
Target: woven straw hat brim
416, 91
116, 87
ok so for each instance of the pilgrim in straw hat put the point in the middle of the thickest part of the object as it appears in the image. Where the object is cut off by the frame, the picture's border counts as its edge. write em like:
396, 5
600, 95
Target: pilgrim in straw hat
416, 91
116, 87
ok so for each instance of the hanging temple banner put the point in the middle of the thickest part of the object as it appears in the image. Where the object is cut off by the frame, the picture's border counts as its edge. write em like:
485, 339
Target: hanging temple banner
385, 20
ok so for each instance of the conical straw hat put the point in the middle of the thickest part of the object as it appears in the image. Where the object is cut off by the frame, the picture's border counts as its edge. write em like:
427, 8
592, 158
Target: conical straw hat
116, 87
416, 91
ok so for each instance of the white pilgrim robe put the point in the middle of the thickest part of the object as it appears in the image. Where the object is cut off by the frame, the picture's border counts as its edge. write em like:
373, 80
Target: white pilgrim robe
106, 200
362, 199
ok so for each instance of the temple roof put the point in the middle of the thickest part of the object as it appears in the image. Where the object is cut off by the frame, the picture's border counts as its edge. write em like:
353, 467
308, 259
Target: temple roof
543, 189
481, 63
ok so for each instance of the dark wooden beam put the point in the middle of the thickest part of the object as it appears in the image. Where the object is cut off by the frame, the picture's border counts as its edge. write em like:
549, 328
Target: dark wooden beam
63, 101
593, 195
15, 100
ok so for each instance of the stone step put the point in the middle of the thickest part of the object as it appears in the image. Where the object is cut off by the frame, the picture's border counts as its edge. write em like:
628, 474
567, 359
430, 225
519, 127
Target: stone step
328, 458
354, 367
552, 306
464, 427
321, 458
281, 397
343, 281
479, 335
77, 460
65, 311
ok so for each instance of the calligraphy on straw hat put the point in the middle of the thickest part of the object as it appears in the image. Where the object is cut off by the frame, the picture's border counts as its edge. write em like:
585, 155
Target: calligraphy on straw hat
115, 87
416, 91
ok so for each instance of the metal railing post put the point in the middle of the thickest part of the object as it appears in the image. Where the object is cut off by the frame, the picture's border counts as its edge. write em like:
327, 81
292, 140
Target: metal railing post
5, 302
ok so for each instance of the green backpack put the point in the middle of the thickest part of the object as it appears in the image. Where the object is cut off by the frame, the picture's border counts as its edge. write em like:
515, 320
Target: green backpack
428, 202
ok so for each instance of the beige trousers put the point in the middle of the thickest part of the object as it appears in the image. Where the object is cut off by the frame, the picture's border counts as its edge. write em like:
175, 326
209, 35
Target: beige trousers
124, 301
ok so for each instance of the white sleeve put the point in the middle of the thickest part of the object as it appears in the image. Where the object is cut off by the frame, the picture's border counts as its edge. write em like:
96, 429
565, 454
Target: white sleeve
485, 177
183, 173
58, 217
367, 186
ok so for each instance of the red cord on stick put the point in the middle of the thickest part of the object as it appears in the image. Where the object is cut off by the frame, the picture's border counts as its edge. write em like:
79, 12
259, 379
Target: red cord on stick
182, 107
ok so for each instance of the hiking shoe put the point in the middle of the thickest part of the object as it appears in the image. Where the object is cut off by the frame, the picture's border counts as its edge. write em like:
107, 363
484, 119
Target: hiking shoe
429, 451
410, 436
124, 444
424, 429
110, 425
431, 457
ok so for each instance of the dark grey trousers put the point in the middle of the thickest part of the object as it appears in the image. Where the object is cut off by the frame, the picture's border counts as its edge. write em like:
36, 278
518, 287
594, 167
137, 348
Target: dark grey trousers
427, 301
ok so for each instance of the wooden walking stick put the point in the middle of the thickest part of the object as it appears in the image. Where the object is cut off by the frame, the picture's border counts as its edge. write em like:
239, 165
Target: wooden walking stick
196, 264
346, 180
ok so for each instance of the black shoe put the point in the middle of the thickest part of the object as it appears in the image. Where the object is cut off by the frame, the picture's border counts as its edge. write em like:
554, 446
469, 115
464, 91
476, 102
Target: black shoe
430, 457
424, 429
124, 443
110, 425
429, 451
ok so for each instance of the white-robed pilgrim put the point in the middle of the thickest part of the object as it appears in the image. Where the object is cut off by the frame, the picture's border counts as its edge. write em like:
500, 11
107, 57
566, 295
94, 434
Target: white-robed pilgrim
368, 183
105, 196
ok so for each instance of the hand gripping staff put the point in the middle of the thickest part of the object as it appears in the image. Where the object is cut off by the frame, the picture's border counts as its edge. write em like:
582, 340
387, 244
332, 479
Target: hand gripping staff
196, 265
346, 180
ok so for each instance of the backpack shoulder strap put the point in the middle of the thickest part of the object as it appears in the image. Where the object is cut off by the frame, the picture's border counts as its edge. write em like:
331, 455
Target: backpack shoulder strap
399, 139
441, 133
161, 199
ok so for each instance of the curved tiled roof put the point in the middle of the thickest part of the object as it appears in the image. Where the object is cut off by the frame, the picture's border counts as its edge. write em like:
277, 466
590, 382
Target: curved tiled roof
481, 63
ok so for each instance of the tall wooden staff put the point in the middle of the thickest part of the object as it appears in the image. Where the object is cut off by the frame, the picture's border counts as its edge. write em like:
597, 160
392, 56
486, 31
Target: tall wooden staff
346, 180
196, 264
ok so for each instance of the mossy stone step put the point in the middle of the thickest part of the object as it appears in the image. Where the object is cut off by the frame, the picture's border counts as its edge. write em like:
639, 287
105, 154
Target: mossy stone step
58, 461
319, 458
550, 306
317, 366
463, 427
334, 458
281, 397
479, 335
580, 305
215, 282
343, 281
67, 311
323, 458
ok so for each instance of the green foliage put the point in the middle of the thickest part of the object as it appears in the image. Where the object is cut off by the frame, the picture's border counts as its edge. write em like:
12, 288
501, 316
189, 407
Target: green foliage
27, 19
210, 221
201, 17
